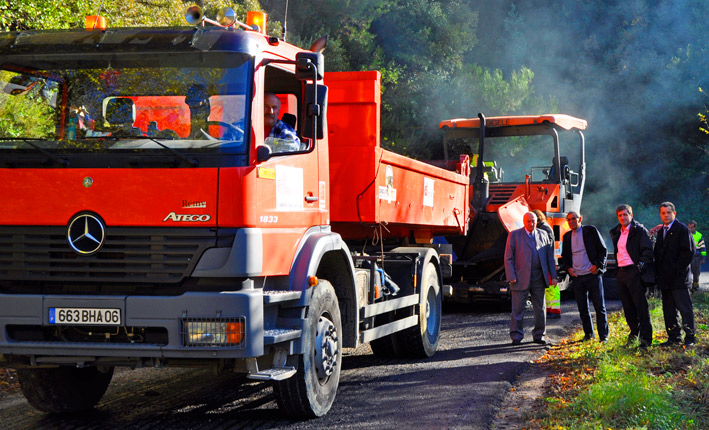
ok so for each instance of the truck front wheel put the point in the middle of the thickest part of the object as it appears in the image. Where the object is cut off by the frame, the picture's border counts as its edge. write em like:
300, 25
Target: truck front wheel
311, 391
64, 389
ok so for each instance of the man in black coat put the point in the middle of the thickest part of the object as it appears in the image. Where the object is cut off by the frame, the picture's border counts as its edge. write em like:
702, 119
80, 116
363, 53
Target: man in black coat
633, 252
583, 255
674, 251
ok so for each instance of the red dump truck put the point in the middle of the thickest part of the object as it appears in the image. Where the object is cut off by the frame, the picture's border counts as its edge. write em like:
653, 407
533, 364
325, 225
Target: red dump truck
150, 220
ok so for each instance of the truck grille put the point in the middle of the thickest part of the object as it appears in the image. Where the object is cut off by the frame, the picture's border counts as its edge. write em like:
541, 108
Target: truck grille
129, 254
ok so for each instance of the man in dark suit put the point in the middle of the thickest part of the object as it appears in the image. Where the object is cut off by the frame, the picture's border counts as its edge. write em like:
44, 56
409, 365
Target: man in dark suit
530, 268
674, 251
583, 256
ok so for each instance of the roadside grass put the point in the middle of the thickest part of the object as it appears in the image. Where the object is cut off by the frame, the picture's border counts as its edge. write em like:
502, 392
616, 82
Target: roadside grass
613, 386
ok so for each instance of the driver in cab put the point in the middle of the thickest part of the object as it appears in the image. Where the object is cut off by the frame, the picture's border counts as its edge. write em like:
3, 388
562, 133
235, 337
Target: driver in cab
278, 135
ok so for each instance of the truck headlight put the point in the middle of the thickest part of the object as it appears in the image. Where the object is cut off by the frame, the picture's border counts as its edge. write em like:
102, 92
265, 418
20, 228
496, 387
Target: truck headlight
213, 331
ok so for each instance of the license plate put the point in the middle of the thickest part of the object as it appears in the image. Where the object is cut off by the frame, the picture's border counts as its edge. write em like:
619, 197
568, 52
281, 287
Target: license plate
88, 316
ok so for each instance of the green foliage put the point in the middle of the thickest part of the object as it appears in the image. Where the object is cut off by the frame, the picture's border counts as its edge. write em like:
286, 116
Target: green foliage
628, 397
18, 118
426, 34
36, 14
497, 95
704, 125
58, 14
25, 115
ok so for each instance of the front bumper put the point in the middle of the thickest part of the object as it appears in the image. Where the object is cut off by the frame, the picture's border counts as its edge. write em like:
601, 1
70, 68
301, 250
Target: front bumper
165, 313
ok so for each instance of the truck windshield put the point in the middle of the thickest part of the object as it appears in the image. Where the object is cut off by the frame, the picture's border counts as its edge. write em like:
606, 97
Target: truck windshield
115, 107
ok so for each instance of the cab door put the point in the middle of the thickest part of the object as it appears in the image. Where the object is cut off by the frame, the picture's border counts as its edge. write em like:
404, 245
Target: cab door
284, 199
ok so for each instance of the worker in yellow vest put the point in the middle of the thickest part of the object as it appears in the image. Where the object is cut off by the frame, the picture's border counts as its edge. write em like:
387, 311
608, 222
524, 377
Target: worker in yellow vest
700, 255
552, 294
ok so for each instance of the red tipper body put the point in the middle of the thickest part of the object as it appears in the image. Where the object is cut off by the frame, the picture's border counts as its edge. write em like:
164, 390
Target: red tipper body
372, 186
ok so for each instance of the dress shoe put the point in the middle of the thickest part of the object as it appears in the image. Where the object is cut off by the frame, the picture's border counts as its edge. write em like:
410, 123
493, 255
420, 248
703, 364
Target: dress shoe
587, 338
669, 343
516, 341
631, 341
541, 342
690, 342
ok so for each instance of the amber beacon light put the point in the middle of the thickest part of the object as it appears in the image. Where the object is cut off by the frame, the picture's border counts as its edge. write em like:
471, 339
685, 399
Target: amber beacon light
95, 22
258, 19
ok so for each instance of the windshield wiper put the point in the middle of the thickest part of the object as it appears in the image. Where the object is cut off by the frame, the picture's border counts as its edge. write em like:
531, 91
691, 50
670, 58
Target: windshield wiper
191, 161
52, 157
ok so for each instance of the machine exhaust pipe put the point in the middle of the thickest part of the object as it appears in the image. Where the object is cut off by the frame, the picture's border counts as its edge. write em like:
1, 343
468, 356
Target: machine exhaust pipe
481, 185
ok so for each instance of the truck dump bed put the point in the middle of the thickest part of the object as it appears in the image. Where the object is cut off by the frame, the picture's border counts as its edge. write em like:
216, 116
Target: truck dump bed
371, 186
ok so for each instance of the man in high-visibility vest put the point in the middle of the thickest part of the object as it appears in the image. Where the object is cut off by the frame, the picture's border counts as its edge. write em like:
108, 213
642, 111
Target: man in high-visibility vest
700, 255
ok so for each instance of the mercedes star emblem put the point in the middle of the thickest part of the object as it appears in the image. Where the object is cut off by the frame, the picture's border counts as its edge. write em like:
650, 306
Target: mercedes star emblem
86, 234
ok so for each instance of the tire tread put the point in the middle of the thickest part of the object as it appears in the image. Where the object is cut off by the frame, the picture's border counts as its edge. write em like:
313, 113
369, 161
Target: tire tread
63, 389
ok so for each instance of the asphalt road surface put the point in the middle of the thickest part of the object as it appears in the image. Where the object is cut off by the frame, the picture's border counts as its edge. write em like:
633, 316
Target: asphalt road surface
460, 387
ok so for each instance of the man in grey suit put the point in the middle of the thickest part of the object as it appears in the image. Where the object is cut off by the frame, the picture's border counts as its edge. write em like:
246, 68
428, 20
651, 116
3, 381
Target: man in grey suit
530, 268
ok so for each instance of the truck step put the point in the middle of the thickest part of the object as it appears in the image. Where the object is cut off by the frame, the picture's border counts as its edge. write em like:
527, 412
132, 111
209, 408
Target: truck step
273, 374
280, 335
277, 296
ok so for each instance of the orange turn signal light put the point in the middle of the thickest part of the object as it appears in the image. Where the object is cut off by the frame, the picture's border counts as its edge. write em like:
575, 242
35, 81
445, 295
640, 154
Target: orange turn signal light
258, 19
95, 22
234, 332
313, 281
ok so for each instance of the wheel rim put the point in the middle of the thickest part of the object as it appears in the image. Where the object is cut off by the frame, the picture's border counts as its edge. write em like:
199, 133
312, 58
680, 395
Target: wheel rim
431, 312
326, 348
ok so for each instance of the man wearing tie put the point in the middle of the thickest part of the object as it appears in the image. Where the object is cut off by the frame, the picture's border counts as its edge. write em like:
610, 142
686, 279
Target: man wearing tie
674, 251
529, 266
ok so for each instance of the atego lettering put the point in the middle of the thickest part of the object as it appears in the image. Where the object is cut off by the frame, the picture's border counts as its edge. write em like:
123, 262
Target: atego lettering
172, 216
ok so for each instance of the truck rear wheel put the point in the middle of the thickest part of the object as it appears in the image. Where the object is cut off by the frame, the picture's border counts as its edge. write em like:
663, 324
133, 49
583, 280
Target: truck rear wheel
311, 391
64, 389
421, 340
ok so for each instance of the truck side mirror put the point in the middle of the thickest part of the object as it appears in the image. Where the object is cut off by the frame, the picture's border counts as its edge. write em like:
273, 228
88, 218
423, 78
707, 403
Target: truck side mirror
315, 110
304, 61
263, 153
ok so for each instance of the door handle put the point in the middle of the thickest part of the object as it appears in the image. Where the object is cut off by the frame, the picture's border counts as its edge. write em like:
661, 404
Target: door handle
311, 199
